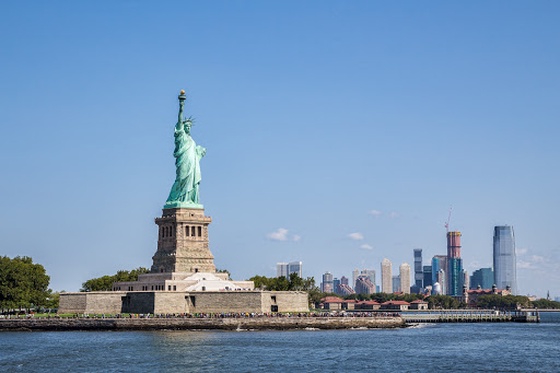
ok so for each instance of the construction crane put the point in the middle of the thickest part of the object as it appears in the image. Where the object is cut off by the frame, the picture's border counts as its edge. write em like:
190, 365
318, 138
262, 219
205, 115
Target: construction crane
448, 219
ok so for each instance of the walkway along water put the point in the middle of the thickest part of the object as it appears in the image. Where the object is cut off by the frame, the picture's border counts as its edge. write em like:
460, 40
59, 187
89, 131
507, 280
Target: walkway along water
468, 316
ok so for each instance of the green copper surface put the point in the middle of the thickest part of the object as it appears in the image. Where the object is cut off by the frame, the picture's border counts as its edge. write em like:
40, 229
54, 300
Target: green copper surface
184, 192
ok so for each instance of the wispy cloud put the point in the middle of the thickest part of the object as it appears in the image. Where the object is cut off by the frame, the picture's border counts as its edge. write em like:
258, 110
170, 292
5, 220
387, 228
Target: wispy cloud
357, 236
375, 213
475, 264
366, 247
393, 215
537, 263
282, 234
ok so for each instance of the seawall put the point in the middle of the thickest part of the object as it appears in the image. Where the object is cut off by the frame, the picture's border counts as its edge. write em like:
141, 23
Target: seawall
264, 323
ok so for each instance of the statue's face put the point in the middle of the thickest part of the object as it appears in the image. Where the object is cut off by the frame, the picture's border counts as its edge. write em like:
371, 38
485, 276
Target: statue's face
187, 127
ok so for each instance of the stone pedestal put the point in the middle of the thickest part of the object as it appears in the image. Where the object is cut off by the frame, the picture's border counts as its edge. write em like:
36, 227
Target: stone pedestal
183, 242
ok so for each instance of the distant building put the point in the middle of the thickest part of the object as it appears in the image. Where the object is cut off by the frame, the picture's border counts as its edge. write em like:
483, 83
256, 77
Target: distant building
355, 274
386, 273
427, 272
404, 278
440, 280
455, 277
505, 271
418, 269
282, 269
296, 267
396, 282
483, 277
436, 289
471, 296
466, 280
336, 284
454, 285
344, 289
285, 269
344, 280
439, 271
327, 286
364, 285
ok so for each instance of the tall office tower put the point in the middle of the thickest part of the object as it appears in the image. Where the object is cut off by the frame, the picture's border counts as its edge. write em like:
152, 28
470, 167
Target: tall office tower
335, 285
505, 272
404, 277
439, 262
285, 269
483, 277
282, 269
453, 244
327, 284
466, 279
427, 276
386, 273
355, 274
396, 283
454, 264
295, 267
370, 273
344, 280
455, 276
418, 270
364, 285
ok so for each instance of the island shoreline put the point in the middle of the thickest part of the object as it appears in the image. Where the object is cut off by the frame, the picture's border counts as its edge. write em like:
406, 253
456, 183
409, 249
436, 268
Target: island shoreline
129, 324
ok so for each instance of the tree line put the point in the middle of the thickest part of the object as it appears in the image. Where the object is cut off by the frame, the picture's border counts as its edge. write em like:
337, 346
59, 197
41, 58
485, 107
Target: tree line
24, 285
105, 283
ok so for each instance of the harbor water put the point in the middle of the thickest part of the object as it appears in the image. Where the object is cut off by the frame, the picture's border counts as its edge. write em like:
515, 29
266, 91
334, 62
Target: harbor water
470, 347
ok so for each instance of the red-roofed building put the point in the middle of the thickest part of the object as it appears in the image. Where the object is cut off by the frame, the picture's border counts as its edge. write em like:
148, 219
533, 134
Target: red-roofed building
349, 304
367, 305
418, 304
331, 303
395, 305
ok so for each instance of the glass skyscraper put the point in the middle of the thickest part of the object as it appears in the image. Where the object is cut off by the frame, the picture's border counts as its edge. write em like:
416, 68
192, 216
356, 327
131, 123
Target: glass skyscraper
418, 273
505, 273
483, 277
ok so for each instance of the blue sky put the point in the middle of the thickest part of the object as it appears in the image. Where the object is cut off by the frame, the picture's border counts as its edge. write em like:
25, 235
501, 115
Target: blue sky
338, 133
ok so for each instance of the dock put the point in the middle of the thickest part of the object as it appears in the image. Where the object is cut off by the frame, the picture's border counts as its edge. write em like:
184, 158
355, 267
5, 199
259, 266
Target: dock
469, 316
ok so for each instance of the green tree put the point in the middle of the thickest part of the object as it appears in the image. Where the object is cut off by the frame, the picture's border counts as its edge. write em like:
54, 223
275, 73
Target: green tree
224, 271
53, 300
23, 284
497, 301
294, 283
545, 304
442, 302
105, 283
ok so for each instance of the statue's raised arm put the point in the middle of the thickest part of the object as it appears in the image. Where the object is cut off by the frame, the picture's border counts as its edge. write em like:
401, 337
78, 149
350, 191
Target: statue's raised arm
180, 117
184, 192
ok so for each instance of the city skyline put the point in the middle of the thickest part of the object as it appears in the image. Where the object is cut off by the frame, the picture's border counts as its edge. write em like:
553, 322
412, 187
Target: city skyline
337, 134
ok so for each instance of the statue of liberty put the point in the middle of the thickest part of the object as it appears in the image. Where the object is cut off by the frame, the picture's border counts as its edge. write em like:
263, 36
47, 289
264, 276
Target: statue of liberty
184, 192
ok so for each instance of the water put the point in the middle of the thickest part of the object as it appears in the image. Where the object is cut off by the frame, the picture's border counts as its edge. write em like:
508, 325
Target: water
497, 347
